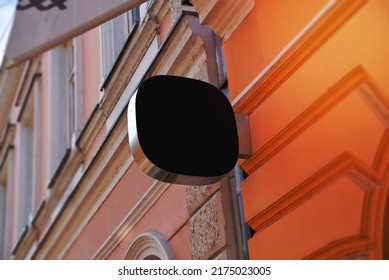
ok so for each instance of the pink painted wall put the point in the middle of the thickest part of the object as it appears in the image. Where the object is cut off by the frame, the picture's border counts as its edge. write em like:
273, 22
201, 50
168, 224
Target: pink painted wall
131, 187
91, 74
91, 71
168, 216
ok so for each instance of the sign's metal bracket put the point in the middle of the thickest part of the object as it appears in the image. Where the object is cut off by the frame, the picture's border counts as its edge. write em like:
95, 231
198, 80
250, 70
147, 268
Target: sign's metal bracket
242, 123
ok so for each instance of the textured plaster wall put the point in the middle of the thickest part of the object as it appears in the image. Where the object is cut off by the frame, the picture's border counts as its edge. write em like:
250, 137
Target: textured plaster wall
206, 229
175, 9
197, 195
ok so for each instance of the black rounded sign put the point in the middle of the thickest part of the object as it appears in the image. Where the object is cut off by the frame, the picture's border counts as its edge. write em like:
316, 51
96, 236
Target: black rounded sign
182, 130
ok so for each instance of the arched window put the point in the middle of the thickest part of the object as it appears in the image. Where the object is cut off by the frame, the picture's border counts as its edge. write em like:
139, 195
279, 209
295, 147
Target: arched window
150, 245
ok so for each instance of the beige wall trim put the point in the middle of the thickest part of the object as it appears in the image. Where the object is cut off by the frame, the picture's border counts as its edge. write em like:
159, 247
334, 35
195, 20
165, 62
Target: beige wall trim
92, 127
9, 82
25, 241
97, 205
6, 143
223, 16
83, 201
30, 69
23, 80
132, 54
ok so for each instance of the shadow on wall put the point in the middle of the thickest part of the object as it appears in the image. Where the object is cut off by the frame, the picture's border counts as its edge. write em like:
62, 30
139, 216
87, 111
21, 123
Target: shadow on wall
385, 242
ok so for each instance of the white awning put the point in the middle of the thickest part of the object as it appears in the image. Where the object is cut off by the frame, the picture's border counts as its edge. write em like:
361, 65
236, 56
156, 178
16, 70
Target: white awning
43, 24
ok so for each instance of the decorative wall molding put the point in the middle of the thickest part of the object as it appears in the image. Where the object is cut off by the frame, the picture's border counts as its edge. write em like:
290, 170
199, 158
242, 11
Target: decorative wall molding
158, 10
138, 211
363, 244
22, 83
320, 107
370, 176
6, 143
295, 54
51, 215
58, 188
189, 51
223, 16
91, 129
43, 220
345, 165
88, 194
381, 160
350, 248
30, 69
150, 245
25, 242
46, 220
128, 61
9, 82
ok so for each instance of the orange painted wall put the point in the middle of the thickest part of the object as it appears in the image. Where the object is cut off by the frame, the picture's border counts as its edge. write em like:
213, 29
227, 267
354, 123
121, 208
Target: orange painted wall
313, 79
269, 27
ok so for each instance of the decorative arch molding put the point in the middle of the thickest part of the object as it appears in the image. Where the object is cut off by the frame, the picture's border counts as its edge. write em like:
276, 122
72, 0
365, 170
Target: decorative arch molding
150, 245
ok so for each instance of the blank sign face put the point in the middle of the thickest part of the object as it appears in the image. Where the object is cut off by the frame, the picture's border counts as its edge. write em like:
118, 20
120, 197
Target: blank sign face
41, 25
182, 130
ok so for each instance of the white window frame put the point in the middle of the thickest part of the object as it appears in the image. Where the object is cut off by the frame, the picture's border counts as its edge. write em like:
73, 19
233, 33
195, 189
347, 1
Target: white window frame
65, 101
136, 78
58, 125
74, 88
113, 37
151, 245
28, 150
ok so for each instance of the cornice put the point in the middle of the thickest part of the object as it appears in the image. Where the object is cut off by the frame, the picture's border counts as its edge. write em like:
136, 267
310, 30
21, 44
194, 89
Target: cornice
295, 54
223, 16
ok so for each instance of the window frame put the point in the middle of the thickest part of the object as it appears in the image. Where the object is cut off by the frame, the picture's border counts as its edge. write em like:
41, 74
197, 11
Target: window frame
114, 36
28, 153
150, 245
65, 103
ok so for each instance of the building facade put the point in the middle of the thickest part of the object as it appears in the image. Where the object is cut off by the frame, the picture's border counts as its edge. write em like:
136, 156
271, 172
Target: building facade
309, 76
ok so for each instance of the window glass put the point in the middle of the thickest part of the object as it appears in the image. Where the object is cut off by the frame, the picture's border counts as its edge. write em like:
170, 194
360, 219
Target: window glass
114, 35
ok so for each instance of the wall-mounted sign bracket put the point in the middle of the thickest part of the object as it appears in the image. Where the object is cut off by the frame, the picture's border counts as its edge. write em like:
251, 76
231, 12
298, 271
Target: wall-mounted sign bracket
244, 137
